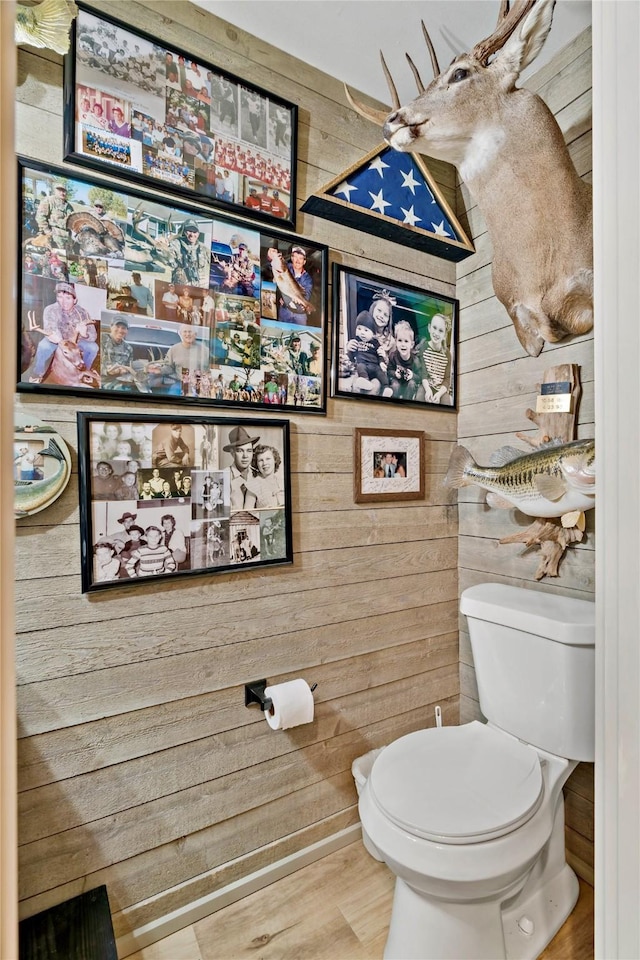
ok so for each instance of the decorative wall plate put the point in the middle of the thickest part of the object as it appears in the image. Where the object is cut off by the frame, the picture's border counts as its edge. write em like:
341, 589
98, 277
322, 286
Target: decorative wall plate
41, 465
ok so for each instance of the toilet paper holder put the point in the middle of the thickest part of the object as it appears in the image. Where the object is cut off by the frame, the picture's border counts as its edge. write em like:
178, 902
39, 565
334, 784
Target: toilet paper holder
254, 693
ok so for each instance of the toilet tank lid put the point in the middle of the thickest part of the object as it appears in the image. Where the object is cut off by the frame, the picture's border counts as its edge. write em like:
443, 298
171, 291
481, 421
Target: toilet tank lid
559, 618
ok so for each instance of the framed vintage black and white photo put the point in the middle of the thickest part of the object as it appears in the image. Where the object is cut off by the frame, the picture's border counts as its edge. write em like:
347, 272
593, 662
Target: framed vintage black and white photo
388, 465
167, 496
125, 293
151, 113
393, 342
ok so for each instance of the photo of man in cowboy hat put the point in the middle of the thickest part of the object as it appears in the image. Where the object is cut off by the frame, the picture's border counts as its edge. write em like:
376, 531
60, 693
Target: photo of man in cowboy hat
240, 445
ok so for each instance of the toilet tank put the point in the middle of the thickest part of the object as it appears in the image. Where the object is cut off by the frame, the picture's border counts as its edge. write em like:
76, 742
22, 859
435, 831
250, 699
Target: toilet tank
534, 657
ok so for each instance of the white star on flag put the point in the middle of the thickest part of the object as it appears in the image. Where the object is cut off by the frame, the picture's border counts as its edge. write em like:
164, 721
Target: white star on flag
439, 229
346, 189
379, 165
379, 203
408, 180
392, 185
410, 217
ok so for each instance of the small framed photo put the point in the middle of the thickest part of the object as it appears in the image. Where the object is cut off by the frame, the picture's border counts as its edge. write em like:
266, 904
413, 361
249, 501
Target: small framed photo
170, 496
155, 115
388, 465
393, 343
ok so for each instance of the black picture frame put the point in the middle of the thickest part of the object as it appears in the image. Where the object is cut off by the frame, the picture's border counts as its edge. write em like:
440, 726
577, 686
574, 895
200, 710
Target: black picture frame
134, 264
155, 115
213, 513
373, 367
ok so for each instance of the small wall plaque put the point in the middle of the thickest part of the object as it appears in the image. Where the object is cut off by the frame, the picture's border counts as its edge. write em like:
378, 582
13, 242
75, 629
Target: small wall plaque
555, 397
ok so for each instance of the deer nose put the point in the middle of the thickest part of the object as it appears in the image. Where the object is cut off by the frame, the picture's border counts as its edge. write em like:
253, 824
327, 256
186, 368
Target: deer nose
393, 123
387, 131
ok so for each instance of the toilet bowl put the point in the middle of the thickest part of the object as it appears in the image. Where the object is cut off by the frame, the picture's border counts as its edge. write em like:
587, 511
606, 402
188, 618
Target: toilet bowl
471, 818
462, 815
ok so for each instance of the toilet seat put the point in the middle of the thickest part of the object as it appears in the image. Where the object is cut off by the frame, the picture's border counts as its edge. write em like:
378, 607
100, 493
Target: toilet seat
463, 784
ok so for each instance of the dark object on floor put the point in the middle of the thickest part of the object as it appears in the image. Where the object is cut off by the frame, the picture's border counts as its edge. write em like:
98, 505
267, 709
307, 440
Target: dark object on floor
78, 929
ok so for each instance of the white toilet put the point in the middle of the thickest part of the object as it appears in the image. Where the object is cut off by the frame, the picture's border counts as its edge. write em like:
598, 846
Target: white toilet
471, 818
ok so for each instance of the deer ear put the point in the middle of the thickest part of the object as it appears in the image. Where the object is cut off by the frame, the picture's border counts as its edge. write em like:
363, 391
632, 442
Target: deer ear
524, 45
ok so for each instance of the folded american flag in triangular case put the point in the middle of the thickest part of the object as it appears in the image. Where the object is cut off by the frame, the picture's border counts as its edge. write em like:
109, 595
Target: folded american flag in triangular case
393, 195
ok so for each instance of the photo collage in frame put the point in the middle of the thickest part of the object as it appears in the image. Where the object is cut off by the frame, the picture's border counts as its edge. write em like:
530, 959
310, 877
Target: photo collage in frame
165, 496
125, 294
162, 117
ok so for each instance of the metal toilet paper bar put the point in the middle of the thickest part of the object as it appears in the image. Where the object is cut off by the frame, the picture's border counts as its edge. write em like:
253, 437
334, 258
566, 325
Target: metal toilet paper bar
254, 693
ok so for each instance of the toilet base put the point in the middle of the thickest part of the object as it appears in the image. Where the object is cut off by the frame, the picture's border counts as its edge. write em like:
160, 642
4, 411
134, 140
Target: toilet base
423, 928
546, 909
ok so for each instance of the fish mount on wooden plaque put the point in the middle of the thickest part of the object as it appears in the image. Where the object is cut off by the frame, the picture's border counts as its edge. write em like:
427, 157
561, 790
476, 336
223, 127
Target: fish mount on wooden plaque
45, 25
555, 483
393, 195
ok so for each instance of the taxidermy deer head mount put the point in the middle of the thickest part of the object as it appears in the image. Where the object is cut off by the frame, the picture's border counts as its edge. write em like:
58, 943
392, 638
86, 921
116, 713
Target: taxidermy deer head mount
510, 152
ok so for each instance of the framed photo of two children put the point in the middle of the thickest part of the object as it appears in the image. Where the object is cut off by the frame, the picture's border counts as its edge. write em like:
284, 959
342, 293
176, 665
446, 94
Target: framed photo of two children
393, 342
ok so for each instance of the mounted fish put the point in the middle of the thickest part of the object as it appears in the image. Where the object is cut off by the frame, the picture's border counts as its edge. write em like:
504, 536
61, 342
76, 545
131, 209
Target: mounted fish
46, 25
41, 465
557, 480
510, 152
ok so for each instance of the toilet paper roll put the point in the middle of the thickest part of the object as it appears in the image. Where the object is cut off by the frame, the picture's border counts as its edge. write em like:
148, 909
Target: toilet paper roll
292, 704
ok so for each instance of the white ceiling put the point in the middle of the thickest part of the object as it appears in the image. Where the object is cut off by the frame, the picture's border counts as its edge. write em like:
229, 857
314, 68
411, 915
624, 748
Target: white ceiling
343, 37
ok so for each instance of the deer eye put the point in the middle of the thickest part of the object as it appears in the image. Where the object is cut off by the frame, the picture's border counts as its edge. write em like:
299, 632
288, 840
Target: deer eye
458, 75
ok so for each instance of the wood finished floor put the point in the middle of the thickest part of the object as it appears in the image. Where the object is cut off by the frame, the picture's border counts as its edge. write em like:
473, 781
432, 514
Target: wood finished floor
335, 909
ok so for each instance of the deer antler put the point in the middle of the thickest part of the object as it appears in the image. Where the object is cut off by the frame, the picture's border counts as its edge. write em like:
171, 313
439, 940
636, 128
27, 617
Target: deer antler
371, 113
395, 99
414, 69
33, 326
508, 21
379, 116
137, 214
431, 49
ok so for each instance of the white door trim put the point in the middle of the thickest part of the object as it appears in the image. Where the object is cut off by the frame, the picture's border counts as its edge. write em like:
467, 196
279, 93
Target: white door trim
8, 727
616, 175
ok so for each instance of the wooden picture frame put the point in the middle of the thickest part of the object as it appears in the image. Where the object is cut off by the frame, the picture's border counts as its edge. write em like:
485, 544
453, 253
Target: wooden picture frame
155, 115
207, 303
217, 493
388, 465
372, 362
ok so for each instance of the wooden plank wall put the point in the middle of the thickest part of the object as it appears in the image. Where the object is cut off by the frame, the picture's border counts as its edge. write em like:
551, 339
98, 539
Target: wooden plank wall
140, 766
497, 384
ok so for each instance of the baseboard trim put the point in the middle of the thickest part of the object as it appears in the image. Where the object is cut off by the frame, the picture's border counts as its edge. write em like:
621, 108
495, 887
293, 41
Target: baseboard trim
205, 906
582, 869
